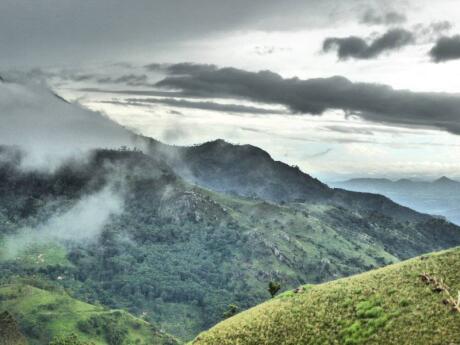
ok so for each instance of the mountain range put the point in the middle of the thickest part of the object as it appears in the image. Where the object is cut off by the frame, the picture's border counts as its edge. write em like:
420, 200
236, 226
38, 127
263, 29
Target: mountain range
440, 197
198, 229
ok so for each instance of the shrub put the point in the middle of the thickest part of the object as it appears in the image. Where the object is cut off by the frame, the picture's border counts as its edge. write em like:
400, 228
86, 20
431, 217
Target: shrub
232, 310
273, 288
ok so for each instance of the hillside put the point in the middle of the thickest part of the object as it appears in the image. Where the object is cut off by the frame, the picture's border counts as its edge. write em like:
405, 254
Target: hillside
47, 312
179, 253
414, 302
439, 197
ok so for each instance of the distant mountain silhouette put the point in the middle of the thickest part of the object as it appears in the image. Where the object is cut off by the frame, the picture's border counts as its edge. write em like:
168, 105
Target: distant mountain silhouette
439, 197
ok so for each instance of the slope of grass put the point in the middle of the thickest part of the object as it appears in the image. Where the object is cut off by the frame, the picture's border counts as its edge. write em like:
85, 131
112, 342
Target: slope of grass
44, 314
405, 303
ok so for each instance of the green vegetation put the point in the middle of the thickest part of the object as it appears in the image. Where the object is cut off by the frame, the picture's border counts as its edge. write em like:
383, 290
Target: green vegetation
273, 288
231, 311
399, 304
178, 255
50, 315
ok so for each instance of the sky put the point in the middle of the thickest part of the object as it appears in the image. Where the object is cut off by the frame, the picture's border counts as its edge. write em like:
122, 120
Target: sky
358, 88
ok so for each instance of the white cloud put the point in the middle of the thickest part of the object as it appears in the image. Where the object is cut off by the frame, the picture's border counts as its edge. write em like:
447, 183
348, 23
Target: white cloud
50, 129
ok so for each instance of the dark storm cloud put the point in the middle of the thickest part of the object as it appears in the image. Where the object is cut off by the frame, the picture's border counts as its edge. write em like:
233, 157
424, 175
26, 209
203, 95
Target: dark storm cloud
373, 102
129, 79
357, 48
49, 31
372, 17
181, 103
181, 68
155, 93
445, 49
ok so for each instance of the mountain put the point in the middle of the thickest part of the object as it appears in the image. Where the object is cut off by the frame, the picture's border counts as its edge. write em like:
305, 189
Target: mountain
45, 312
243, 170
413, 302
445, 181
440, 197
177, 250
248, 171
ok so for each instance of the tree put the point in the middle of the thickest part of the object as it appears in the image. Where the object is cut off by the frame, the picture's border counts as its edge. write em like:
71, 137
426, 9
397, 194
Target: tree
273, 288
232, 310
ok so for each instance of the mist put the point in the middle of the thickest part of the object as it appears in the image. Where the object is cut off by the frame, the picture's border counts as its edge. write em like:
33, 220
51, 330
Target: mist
83, 222
51, 130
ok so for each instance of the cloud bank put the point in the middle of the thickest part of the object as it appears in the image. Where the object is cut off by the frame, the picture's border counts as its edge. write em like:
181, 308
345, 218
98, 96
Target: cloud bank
372, 102
181, 68
49, 129
372, 17
50, 31
358, 48
213, 106
446, 49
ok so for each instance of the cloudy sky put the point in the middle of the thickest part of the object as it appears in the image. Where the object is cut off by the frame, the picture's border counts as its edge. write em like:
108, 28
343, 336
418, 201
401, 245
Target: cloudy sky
340, 88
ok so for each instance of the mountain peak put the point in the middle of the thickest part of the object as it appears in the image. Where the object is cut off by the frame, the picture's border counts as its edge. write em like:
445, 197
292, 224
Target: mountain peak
220, 147
248, 171
444, 180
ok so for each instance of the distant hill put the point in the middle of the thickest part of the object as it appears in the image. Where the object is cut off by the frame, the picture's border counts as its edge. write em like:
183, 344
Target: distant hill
440, 197
47, 312
181, 252
414, 302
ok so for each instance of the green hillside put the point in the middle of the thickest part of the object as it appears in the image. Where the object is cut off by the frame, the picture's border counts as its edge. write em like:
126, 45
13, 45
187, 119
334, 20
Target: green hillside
413, 302
179, 253
48, 312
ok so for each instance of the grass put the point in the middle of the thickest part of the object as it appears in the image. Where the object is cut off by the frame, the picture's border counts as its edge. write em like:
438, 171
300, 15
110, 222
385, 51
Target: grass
43, 255
45, 314
391, 305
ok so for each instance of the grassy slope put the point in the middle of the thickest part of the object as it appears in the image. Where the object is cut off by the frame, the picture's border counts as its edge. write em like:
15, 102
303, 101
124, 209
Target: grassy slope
43, 314
391, 305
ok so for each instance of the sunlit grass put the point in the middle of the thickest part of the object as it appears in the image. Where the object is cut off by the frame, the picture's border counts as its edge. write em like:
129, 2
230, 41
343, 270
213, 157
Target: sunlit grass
45, 314
386, 306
